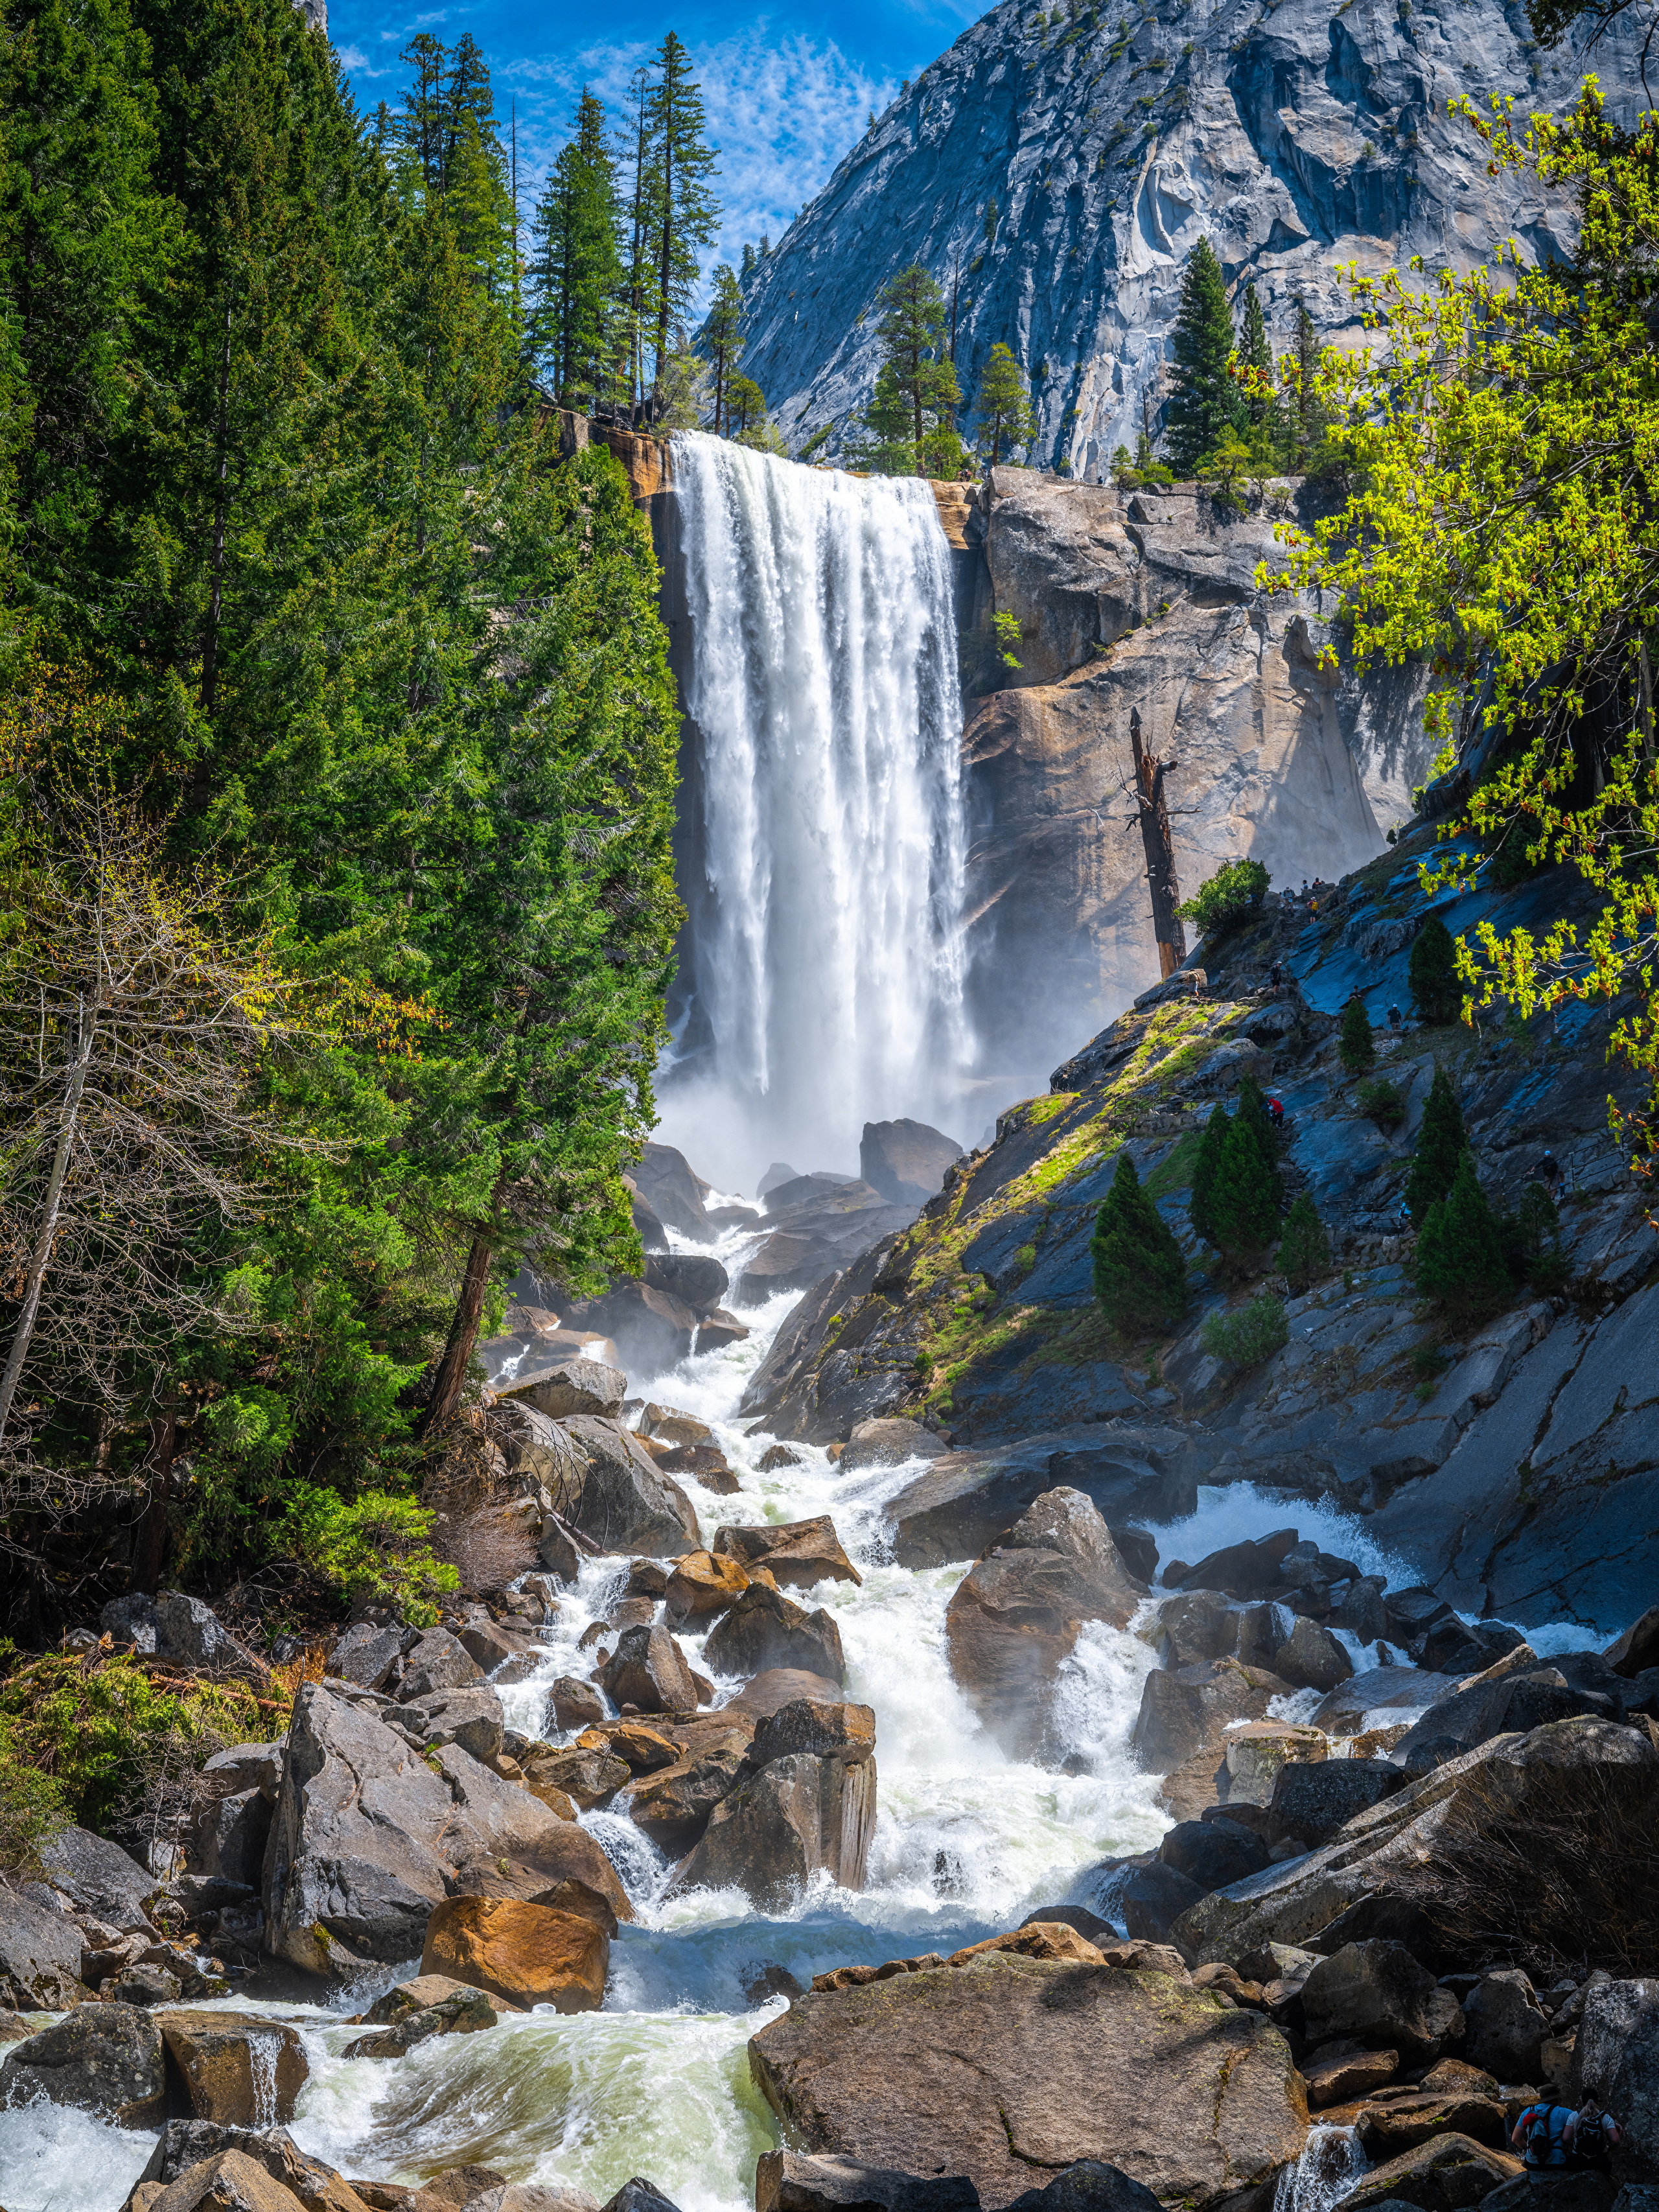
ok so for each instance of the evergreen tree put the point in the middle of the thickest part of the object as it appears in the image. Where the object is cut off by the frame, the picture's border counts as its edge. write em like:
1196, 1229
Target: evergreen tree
639, 215
1139, 1276
1264, 425
916, 387
1205, 1173
745, 408
1441, 1143
1243, 1202
1356, 1047
1206, 401
1432, 973
576, 280
1304, 1250
748, 261
1309, 422
1003, 408
723, 341
1460, 1255
683, 214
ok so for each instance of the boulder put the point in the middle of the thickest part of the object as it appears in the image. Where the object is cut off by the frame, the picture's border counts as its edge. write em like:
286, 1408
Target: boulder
626, 1503
1008, 2064
40, 1954
800, 1815
906, 1161
792, 2181
765, 1630
238, 2069
716, 1330
1400, 2124
1500, 1703
1504, 2026
702, 1583
1251, 1569
1311, 1658
130, 1620
652, 1329
104, 2058
1212, 1853
574, 1704
1152, 1899
437, 1661
1014, 1618
1347, 2073
1181, 1729
470, 1717
365, 1654
781, 1685
493, 1643
665, 1180
588, 1774
1258, 1753
184, 2145
228, 1836
1090, 2185
1446, 2174
459, 2011
404, 2000
649, 1670
188, 1630
565, 1384
667, 1425
889, 1441
639, 2196
1192, 1627
1379, 1994
1629, 1655
229, 2181
1616, 2058
798, 1554
785, 1261
96, 1875
825, 1728
529, 1953
1312, 1799
673, 1804
695, 1279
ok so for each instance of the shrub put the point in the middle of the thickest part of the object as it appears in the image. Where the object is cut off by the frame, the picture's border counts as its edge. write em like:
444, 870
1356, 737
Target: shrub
1531, 1238
1434, 982
1229, 897
32, 1807
1441, 1144
1382, 1102
1252, 1334
1304, 1250
1460, 1252
375, 1545
1355, 1046
1141, 1278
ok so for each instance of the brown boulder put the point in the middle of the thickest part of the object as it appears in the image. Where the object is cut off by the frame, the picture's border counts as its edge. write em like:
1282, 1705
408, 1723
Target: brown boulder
667, 1425
648, 1669
764, 1630
799, 1552
238, 2069
673, 1805
781, 1685
585, 1776
1389, 2127
1037, 1939
1445, 2175
405, 1999
229, 2182
1015, 1617
575, 1703
531, 1954
1180, 1730
1009, 2064
461, 2011
1334, 2079
797, 1817
702, 1584
827, 1727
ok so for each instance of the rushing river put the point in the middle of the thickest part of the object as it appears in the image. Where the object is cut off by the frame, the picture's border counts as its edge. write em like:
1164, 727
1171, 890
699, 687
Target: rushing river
968, 1842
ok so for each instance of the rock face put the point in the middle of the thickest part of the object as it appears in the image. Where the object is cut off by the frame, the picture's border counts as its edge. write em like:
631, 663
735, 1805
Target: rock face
39, 1953
1009, 2064
1014, 1619
105, 2058
801, 1814
906, 1161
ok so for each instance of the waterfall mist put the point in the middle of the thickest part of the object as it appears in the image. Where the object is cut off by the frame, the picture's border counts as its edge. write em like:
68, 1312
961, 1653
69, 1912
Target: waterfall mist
822, 845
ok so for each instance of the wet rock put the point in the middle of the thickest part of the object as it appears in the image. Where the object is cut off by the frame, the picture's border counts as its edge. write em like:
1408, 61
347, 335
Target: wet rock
791, 2181
437, 1662
1212, 1853
575, 1703
797, 1553
649, 1670
96, 1875
1011, 2063
238, 2070
626, 1503
1181, 1729
906, 1161
107, 2059
640, 2196
825, 1728
184, 2145
673, 1805
1313, 1799
781, 1685
777, 1456
1311, 1658
1383, 1690
1258, 1753
130, 1620
1448, 2174
404, 2000
459, 2011
1378, 1994
40, 1954
588, 1776
528, 1954
695, 1279
718, 1329
1251, 1569
1193, 1627
702, 1584
888, 1443
470, 1717
961, 1505
491, 1643
765, 1630
1153, 1898
1332, 2080
1014, 1618
771, 1835
667, 1425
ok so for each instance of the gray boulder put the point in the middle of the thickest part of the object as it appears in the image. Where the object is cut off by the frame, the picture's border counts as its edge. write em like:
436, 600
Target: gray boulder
1504, 2026
648, 1669
437, 1662
130, 1619
1180, 1730
1312, 1799
40, 1954
97, 1876
695, 1279
800, 1815
906, 1161
470, 1717
1212, 1853
103, 2058
183, 2144
1379, 1994
793, 2181
365, 1654
1616, 2058
764, 1631
652, 1330
559, 1387
627, 1504
1090, 2185
228, 1837
1153, 1898
888, 1443
1311, 1658
665, 1180
188, 1630
1513, 1704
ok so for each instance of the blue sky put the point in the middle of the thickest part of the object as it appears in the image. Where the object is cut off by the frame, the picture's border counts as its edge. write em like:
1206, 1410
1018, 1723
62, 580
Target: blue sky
788, 93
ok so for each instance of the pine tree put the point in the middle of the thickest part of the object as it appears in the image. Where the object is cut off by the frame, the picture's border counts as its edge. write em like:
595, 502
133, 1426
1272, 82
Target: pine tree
1356, 1047
1139, 1276
1205, 1173
1002, 407
1264, 428
1243, 1202
1308, 420
745, 407
916, 387
1441, 1143
1206, 401
1436, 985
1459, 1254
722, 341
576, 280
685, 215
1304, 1250
748, 270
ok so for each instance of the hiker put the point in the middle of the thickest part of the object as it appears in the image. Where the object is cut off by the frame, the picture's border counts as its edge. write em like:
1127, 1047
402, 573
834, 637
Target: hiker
1549, 1172
1552, 2137
1276, 976
1276, 1112
1395, 1019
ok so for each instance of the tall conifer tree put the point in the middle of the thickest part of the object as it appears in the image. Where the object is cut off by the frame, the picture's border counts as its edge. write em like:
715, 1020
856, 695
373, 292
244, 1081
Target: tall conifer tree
722, 341
684, 215
576, 277
1206, 402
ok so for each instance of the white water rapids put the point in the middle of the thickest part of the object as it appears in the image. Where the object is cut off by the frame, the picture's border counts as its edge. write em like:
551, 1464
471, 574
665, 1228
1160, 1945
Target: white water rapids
823, 878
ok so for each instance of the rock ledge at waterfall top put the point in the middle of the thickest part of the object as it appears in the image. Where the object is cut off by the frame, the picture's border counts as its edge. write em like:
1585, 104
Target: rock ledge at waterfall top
1522, 1482
1298, 140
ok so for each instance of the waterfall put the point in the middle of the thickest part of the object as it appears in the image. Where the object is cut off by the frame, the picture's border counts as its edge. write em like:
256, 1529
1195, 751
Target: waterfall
823, 850
1331, 2163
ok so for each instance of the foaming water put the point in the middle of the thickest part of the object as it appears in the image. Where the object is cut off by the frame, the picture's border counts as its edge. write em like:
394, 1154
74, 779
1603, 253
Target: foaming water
54, 2158
825, 968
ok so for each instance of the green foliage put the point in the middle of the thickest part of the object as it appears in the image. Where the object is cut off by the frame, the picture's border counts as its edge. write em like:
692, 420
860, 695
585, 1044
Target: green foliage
1531, 1238
1002, 409
575, 271
1304, 1250
1459, 1252
1242, 1203
1141, 1278
907, 428
1248, 1337
1205, 1170
1005, 629
371, 1547
1432, 973
1441, 1142
1226, 900
1382, 1102
1206, 402
32, 1806
1356, 1047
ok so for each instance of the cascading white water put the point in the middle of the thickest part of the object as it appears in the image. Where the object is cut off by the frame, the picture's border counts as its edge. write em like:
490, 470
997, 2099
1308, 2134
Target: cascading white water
824, 977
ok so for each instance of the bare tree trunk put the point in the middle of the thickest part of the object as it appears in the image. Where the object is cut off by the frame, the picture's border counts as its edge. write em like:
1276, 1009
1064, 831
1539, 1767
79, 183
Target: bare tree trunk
149, 1546
1159, 848
451, 1377
41, 1257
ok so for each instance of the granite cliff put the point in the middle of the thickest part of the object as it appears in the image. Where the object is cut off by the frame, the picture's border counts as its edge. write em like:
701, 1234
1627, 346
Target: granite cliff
1055, 167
